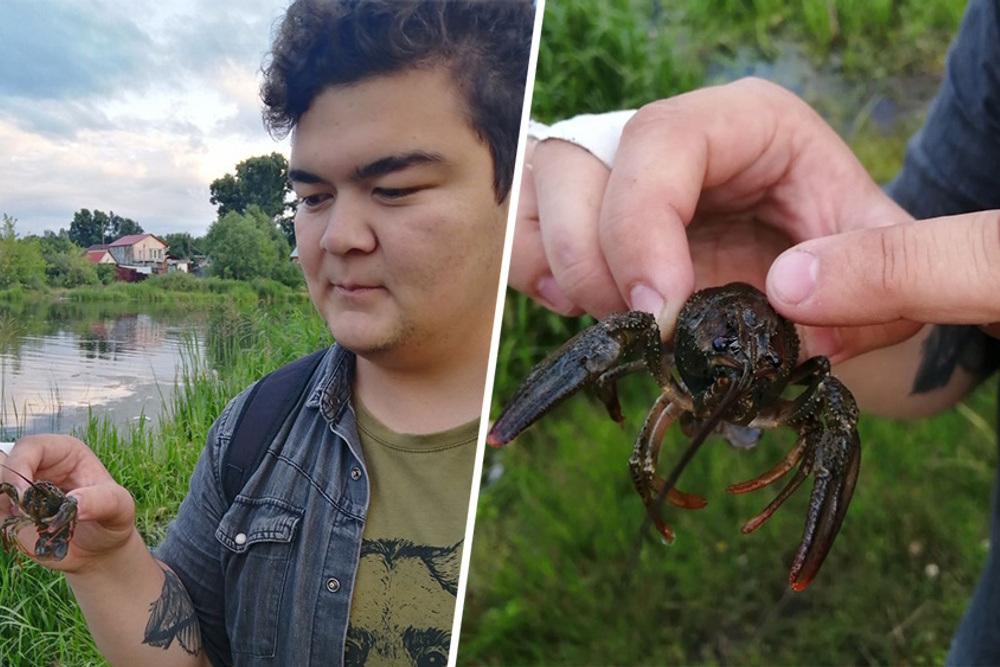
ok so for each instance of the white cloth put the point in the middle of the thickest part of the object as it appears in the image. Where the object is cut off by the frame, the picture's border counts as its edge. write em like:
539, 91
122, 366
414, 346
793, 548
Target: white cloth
599, 134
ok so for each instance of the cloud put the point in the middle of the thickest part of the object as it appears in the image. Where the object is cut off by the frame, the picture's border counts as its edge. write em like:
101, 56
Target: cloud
129, 106
61, 49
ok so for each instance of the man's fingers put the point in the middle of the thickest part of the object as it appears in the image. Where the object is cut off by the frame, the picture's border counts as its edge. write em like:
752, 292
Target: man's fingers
109, 504
941, 271
61, 459
843, 343
529, 270
569, 184
673, 152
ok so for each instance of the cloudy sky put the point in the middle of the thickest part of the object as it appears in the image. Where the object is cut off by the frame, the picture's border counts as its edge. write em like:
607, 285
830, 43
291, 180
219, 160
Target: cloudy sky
131, 106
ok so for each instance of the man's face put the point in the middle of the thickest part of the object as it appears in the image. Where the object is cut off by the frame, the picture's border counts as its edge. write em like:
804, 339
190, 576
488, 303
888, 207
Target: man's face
398, 229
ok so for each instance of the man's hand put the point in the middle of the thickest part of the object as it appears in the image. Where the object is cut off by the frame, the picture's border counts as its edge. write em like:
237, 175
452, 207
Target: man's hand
707, 187
106, 511
942, 270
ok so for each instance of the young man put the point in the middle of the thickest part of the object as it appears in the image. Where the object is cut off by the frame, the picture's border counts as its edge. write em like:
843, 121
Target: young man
345, 542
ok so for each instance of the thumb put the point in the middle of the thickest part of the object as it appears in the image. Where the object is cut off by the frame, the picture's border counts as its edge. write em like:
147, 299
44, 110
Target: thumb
940, 271
109, 504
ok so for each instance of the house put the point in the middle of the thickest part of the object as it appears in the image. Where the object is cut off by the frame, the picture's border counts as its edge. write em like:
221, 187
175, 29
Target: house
295, 255
177, 264
140, 250
99, 254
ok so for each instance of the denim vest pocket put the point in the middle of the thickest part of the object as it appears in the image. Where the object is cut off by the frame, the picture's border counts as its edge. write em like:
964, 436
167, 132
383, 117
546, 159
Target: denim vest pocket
257, 535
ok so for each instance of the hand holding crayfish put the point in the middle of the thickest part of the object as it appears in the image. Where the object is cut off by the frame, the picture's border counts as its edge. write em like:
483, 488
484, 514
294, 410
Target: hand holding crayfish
73, 518
734, 356
45, 506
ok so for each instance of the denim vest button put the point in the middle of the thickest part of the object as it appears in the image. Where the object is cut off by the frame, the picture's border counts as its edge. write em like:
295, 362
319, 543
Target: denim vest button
240, 538
332, 585
355, 474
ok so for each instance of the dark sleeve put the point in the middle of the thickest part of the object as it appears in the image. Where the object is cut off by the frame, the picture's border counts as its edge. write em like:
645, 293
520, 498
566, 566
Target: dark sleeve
952, 166
190, 547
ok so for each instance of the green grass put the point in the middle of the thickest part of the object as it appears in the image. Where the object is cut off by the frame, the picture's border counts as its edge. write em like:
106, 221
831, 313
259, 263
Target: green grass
40, 623
554, 581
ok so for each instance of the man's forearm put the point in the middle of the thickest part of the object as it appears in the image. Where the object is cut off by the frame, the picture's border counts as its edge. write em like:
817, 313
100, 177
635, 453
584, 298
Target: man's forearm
921, 376
138, 611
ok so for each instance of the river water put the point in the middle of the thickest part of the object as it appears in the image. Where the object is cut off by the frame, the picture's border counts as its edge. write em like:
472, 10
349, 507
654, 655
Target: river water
61, 361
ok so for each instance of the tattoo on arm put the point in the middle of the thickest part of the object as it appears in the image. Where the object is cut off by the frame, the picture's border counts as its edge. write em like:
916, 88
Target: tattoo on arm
949, 346
171, 616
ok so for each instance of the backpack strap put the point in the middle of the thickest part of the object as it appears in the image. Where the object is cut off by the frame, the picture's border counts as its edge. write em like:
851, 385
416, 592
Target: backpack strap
269, 404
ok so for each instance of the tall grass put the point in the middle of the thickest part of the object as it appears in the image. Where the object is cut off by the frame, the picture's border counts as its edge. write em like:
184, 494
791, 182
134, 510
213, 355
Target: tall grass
869, 37
40, 623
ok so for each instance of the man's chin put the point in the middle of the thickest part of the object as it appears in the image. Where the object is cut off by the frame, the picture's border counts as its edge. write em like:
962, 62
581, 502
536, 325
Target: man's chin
365, 341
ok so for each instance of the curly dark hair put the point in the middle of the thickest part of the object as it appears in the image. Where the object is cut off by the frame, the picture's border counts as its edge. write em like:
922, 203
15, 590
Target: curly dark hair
485, 44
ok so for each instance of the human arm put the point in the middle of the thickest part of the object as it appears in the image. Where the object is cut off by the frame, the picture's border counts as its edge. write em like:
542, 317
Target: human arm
945, 268
111, 572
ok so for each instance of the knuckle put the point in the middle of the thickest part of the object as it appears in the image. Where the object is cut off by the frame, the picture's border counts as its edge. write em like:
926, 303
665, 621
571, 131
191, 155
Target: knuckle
567, 252
900, 254
671, 110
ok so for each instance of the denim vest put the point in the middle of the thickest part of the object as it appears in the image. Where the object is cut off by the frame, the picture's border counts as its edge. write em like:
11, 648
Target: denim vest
271, 576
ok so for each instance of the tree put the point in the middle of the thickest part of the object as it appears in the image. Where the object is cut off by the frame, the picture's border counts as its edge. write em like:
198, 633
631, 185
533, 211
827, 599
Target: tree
260, 181
65, 263
88, 228
20, 259
119, 227
245, 246
85, 231
183, 245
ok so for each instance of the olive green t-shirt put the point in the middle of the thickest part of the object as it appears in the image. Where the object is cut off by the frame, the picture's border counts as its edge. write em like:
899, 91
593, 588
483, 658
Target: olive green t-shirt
411, 551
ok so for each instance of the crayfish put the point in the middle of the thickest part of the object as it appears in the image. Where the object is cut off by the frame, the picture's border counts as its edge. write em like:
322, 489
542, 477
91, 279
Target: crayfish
49, 510
734, 357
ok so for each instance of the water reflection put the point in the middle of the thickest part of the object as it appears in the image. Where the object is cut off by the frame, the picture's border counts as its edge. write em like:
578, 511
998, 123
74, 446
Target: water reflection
59, 361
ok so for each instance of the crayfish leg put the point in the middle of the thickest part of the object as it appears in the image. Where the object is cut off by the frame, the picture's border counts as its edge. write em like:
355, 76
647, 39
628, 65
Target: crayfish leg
676, 497
796, 481
791, 460
643, 462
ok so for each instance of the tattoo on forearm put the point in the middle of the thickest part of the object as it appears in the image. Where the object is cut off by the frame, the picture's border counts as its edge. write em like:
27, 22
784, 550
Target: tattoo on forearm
172, 616
949, 346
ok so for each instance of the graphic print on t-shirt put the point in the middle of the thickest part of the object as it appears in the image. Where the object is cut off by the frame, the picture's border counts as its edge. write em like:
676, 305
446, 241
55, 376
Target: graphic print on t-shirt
411, 587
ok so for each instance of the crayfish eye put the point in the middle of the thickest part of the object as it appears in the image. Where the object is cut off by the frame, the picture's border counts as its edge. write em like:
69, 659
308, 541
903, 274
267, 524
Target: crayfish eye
720, 344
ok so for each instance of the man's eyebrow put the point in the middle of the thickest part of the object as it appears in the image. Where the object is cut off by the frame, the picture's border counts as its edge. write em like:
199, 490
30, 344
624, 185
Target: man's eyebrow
303, 176
392, 163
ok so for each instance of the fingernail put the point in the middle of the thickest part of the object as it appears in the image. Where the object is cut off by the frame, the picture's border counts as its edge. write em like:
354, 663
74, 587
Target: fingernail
793, 276
547, 291
644, 297
821, 341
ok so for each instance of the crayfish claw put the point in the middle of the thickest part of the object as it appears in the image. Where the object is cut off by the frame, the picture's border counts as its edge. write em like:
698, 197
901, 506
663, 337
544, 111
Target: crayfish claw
828, 504
597, 354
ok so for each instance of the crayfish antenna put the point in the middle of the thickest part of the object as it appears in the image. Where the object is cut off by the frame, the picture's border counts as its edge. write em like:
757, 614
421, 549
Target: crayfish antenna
33, 485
